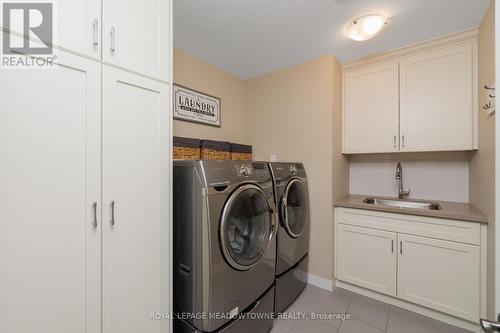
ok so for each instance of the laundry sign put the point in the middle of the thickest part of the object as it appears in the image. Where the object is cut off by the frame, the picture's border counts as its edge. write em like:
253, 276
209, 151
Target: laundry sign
194, 106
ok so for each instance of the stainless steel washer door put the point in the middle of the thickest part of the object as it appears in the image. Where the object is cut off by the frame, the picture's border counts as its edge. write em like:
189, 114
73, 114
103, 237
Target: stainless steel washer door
295, 208
247, 226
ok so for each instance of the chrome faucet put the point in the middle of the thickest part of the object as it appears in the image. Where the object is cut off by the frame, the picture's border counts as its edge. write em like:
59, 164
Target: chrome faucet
490, 326
399, 178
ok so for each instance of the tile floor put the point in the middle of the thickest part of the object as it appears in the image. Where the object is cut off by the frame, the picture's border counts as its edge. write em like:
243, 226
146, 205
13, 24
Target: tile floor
367, 316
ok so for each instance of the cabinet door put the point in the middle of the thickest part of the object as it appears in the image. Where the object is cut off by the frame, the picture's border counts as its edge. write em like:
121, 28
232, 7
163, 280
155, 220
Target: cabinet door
371, 109
136, 168
367, 258
441, 275
50, 257
437, 100
79, 26
76, 26
137, 36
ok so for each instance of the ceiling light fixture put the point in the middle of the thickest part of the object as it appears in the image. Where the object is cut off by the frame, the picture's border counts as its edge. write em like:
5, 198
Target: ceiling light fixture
366, 27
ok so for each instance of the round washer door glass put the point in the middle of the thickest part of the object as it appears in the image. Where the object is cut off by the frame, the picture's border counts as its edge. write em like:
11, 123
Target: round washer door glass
296, 208
246, 227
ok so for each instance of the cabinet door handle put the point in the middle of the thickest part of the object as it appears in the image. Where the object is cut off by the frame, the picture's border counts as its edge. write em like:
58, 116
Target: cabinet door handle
112, 220
403, 140
95, 27
401, 247
394, 141
94, 214
113, 39
392, 245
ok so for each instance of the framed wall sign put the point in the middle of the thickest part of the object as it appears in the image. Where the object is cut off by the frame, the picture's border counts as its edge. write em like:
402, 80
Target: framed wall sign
194, 106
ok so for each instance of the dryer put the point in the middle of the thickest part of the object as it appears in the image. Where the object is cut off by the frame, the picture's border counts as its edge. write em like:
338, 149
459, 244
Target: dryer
292, 199
225, 225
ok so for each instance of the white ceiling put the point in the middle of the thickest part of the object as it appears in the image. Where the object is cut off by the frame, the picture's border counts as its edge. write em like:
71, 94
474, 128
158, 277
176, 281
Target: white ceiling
252, 37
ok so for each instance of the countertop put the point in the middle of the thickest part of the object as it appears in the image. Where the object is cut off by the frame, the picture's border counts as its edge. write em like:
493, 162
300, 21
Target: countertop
449, 210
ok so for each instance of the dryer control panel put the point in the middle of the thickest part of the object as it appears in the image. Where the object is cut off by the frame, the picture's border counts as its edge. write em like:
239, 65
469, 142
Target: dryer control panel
284, 171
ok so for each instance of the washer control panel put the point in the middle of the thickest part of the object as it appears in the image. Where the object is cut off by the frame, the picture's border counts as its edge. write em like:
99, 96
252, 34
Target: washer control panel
256, 170
243, 170
246, 170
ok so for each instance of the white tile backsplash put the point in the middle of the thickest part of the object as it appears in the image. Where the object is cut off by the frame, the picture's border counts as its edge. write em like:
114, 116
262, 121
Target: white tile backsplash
431, 176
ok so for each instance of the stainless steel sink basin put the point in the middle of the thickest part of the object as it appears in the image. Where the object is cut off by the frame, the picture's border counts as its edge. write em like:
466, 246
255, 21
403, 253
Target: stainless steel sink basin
403, 203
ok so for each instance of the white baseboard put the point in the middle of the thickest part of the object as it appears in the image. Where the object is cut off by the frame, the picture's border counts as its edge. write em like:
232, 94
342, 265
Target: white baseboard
319, 282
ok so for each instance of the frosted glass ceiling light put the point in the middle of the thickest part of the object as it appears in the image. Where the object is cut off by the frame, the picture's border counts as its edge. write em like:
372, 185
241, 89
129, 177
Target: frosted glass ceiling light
366, 27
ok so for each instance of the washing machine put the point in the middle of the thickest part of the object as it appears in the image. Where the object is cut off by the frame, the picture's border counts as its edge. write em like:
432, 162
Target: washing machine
225, 225
292, 199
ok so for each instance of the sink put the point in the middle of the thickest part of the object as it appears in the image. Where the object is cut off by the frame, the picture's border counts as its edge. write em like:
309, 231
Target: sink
402, 203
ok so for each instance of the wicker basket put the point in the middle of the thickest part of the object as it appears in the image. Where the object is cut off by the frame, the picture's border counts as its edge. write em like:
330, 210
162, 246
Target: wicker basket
241, 152
186, 148
215, 150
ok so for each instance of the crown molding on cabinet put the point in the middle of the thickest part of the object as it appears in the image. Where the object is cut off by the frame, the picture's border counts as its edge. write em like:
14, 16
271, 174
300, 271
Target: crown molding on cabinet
430, 44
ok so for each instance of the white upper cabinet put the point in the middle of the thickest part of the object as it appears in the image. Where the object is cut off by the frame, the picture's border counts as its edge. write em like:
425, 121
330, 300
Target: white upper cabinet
78, 26
130, 34
437, 100
370, 106
136, 36
417, 99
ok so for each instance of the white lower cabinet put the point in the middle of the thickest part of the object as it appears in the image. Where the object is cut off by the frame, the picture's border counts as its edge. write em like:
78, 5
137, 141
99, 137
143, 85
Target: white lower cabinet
366, 258
439, 274
438, 267
136, 202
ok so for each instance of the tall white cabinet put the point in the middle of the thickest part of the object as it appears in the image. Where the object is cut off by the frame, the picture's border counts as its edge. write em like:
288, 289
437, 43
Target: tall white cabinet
135, 197
50, 247
85, 178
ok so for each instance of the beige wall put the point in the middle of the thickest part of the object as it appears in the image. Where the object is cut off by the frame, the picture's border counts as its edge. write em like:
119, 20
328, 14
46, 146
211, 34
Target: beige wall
482, 164
301, 99
199, 75
290, 114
